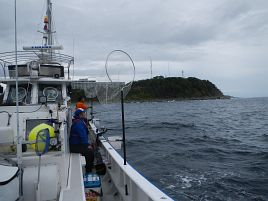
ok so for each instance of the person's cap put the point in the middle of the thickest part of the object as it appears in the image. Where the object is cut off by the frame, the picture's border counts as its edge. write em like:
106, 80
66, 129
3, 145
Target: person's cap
78, 111
81, 106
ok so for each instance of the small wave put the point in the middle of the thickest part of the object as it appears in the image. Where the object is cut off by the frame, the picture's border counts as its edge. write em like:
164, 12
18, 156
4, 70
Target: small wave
216, 150
171, 187
198, 139
143, 141
265, 137
189, 125
158, 125
241, 152
257, 167
188, 181
168, 125
263, 155
252, 154
235, 181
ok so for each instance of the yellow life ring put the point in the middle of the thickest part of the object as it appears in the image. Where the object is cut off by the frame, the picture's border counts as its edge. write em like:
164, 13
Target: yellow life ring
37, 129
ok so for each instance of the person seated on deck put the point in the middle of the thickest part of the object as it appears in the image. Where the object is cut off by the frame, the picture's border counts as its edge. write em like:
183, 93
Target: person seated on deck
81, 103
79, 141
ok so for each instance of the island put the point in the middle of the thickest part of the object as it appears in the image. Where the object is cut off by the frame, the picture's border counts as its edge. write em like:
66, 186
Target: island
177, 88
171, 88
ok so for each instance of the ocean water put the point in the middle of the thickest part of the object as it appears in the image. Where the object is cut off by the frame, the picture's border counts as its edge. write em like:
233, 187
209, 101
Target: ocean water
197, 150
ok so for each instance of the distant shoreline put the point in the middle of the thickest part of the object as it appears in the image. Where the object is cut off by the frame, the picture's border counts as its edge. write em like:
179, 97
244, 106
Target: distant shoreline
178, 99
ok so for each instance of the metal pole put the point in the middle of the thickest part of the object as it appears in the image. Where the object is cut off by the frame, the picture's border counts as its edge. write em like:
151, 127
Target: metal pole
123, 126
151, 67
39, 167
19, 146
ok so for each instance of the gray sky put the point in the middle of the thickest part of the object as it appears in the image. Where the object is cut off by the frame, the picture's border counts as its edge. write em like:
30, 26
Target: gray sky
224, 41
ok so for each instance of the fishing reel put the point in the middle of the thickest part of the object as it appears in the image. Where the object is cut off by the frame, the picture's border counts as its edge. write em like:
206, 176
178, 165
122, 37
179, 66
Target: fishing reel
101, 131
54, 142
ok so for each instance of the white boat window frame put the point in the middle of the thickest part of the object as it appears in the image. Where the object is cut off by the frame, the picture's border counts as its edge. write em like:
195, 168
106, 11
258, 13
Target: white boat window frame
7, 94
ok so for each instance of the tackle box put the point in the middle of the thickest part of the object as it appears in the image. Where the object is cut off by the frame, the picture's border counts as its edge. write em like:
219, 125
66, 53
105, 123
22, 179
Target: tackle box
92, 183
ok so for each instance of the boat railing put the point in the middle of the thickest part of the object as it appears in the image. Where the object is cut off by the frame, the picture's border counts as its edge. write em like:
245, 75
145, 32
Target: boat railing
130, 184
40, 57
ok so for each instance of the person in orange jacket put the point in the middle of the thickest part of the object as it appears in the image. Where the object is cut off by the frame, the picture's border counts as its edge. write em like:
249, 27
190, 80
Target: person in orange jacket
82, 103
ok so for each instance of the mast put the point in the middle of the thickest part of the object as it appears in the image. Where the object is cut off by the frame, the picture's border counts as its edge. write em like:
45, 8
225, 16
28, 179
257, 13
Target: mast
48, 25
49, 14
48, 32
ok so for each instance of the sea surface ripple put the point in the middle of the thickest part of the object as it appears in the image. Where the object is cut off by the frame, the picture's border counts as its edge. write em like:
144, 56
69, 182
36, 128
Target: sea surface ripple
197, 150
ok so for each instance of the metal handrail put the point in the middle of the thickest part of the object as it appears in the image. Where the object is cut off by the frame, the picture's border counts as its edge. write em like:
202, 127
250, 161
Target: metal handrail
24, 57
42, 57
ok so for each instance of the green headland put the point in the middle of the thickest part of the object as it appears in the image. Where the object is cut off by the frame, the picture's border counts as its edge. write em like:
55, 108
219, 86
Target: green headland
160, 88
171, 88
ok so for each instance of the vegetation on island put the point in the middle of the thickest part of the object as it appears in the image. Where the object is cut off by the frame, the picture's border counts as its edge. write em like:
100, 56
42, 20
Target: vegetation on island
159, 88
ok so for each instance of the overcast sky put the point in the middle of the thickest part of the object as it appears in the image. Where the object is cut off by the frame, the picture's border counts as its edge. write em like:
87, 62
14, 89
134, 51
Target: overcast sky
224, 41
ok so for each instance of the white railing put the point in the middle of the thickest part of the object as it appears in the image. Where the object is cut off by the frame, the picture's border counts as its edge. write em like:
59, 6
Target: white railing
131, 185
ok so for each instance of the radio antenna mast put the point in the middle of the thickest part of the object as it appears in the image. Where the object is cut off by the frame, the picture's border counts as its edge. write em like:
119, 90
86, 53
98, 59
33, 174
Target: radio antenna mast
168, 70
48, 24
151, 67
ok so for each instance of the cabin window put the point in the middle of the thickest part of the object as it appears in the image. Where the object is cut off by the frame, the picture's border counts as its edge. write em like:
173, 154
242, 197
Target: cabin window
24, 94
52, 92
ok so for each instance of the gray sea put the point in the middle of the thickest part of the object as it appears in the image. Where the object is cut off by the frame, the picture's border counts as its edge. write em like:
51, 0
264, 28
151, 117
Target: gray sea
197, 150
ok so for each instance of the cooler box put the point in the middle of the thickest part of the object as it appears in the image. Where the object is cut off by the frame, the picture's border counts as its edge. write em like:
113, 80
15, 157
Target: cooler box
9, 183
92, 185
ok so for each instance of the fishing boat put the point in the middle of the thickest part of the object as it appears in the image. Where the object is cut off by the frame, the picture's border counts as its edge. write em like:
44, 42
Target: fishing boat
35, 122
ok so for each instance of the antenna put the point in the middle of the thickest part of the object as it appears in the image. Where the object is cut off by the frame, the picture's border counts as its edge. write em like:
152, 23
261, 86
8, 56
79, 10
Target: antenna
168, 70
151, 67
182, 74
